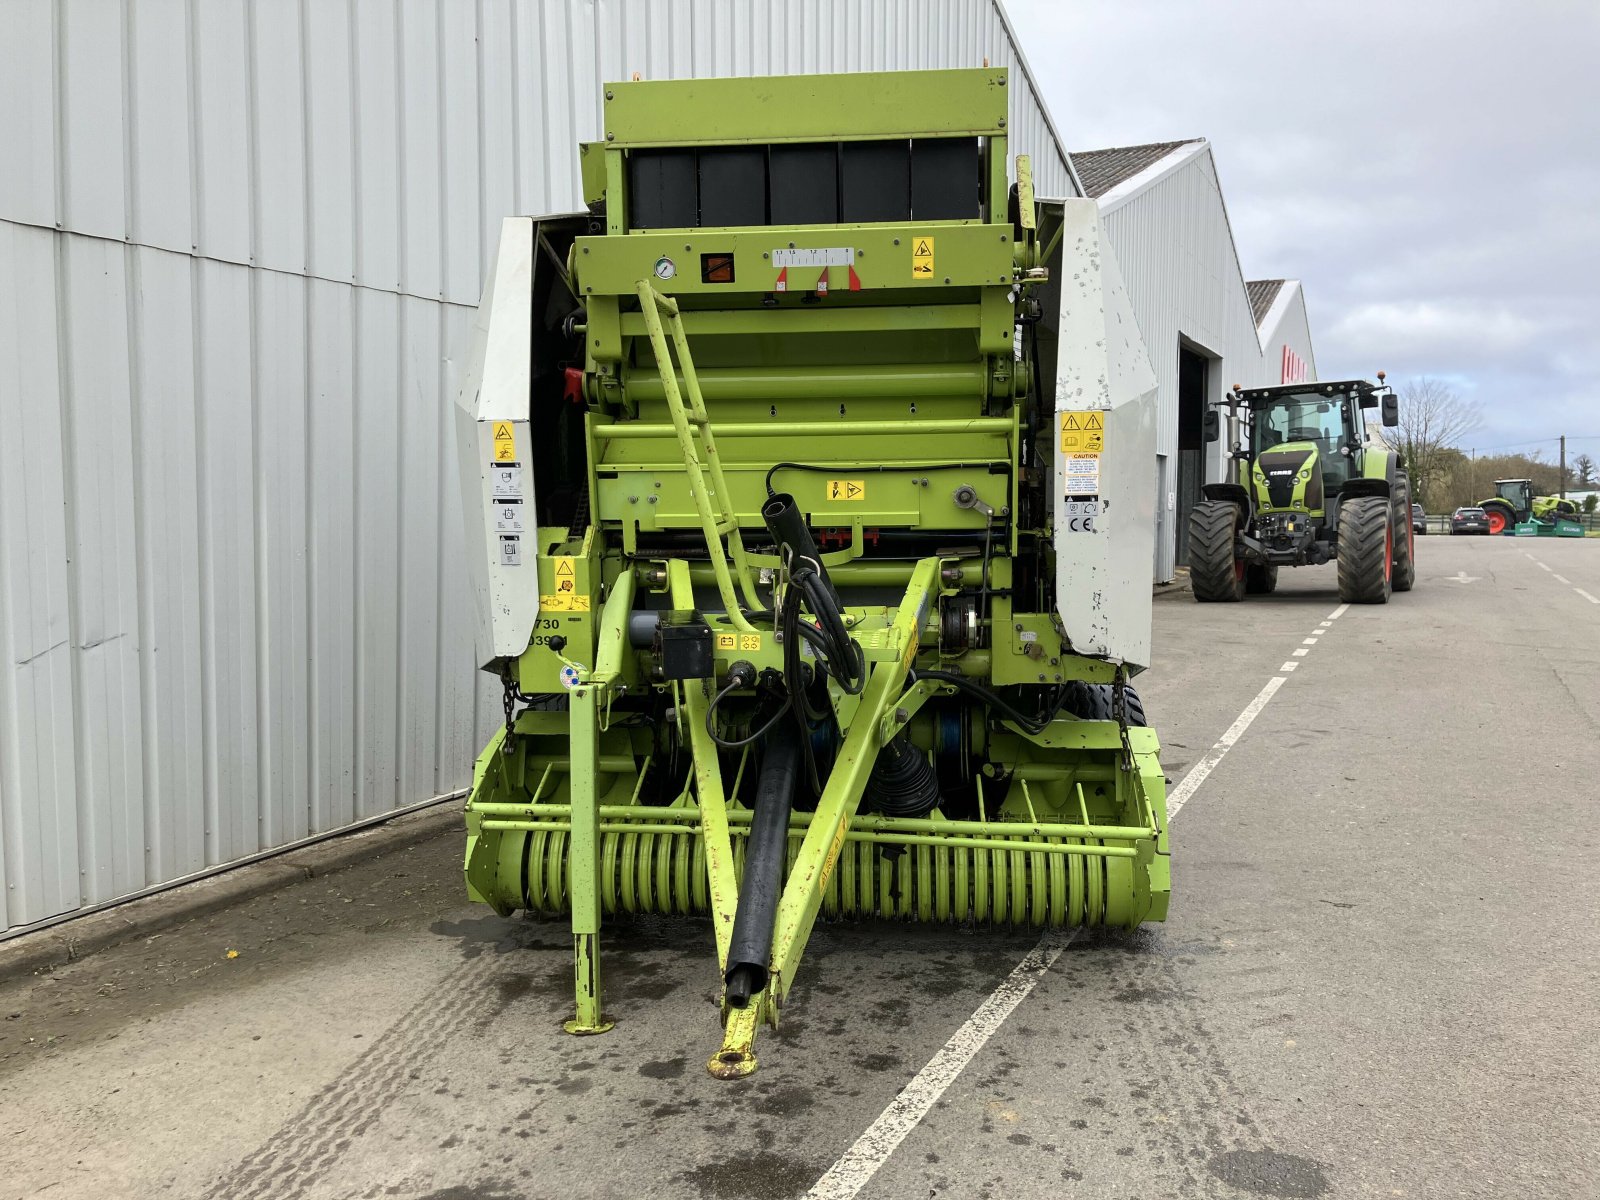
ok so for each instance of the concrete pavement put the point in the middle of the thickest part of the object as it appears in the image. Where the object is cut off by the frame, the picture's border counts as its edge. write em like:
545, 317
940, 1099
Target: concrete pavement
1378, 977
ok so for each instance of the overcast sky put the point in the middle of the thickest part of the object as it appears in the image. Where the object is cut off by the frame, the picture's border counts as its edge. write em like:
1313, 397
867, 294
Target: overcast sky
1430, 171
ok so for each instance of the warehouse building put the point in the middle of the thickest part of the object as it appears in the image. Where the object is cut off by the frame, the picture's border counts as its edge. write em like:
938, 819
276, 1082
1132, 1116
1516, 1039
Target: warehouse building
240, 246
1204, 326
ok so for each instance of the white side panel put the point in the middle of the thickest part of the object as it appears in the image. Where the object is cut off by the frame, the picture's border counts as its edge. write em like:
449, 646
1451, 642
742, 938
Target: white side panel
1105, 497
496, 472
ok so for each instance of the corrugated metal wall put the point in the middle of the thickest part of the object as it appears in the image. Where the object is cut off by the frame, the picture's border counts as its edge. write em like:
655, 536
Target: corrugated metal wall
1177, 255
239, 246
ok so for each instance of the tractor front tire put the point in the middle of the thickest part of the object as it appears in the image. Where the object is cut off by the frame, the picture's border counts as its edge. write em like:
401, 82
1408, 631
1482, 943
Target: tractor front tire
1366, 550
1214, 572
1261, 579
1502, 514
1405, 533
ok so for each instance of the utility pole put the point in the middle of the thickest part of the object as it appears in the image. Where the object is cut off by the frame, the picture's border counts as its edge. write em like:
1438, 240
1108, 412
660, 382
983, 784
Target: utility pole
1563, 480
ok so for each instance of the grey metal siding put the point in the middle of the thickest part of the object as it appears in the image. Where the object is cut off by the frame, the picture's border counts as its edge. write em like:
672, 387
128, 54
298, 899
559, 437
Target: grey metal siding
239, 247
1178, 257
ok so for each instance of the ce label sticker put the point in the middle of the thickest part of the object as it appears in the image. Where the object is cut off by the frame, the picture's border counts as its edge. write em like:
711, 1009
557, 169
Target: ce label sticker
1080, 516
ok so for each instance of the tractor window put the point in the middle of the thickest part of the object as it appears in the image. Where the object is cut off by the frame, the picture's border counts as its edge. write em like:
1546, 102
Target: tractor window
1316, 419
1511, 489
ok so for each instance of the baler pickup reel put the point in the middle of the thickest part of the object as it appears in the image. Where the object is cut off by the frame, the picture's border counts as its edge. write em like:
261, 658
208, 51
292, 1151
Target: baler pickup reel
834, 656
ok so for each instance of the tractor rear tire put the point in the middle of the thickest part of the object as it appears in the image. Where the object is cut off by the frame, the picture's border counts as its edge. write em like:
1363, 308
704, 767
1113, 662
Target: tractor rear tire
1095, 702
1366, 550
1502, 513
1214, 572
1261, 579
1405, 533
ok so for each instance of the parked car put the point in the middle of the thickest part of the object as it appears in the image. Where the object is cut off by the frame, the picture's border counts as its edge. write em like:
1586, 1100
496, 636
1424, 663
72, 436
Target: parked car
1469, 520
1419, 520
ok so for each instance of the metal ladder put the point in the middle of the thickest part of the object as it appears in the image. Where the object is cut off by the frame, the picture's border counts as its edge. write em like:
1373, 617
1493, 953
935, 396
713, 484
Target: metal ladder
707, 487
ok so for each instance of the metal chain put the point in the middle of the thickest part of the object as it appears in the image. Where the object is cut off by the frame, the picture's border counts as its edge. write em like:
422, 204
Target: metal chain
1119, 709
509, 700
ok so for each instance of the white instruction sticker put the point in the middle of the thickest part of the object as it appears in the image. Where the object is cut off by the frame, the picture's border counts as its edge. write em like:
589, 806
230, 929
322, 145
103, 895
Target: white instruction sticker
505, 479
1083, 474
510, 550
508, 516
1080, 516
827, 256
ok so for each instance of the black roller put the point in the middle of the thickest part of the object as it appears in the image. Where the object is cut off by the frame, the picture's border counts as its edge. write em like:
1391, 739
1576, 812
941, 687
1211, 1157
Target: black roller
751, 948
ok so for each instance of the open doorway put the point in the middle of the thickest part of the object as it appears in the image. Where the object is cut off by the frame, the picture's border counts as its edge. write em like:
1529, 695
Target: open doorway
1194, 370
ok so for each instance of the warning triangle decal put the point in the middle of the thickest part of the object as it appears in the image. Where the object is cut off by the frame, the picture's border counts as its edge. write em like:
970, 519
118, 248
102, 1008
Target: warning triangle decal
923, 249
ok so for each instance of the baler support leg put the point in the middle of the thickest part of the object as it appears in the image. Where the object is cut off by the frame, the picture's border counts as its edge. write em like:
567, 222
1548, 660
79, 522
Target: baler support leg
584, 862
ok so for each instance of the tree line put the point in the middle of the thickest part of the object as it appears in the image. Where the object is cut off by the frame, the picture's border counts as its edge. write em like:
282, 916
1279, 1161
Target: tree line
1435, 426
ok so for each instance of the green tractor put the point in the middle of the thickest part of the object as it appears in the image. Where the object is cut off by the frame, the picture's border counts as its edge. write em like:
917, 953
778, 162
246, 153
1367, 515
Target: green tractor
1514, 509
1305, 489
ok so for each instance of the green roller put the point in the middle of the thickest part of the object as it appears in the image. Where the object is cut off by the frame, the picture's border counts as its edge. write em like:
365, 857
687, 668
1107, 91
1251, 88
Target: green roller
807, 478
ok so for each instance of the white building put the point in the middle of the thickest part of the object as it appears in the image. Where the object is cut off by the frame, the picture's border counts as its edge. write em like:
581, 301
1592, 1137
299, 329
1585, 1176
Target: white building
1204, 326
239, 248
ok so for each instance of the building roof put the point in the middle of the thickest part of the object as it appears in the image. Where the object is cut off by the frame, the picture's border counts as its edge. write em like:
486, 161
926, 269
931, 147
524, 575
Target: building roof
1101, 170
1262, 293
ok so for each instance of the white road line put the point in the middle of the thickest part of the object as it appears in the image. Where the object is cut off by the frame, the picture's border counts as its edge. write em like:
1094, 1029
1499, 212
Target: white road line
1190, 783
1338, 612
857, 1165
1542, 566
1300, 652
1564, 580
905, 1112
1311, 641
1586, 596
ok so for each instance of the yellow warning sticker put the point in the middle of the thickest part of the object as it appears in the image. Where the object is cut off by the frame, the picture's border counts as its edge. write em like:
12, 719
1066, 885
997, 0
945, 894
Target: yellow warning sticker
505, 442
749, 641
564, 602
727, 641
846, 491
566, 577
922, 258
1083, 432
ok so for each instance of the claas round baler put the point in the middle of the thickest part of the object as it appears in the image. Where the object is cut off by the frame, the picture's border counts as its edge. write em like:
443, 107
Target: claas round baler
809, 502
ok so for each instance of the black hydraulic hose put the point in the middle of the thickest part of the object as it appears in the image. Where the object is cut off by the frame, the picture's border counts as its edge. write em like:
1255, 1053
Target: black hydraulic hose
993, 700
750, 949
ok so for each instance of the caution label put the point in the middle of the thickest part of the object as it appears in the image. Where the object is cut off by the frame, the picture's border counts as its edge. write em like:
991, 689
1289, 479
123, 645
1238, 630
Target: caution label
846, 491
564, 602
505, 442
922, 258
727, 641
1083, 474
566, 577
750, 641
1083, 432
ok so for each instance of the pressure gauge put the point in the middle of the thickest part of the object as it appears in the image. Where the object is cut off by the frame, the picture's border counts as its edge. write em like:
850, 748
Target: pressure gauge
665, 268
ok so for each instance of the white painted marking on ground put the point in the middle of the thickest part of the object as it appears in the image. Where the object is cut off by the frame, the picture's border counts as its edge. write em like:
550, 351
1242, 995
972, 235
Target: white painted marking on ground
1564, 580
1300, 652
1310, 641
1462, 577
872, 1149
1542, 566
1586, 596
1338, 612
1190, 783
856, 1167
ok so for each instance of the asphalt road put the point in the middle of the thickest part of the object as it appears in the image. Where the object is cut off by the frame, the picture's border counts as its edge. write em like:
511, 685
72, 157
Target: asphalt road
1379, 977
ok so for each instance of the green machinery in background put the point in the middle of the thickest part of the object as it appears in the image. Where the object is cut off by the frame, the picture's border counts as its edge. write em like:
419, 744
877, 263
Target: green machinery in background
811, 512
1514, 509
1306, 488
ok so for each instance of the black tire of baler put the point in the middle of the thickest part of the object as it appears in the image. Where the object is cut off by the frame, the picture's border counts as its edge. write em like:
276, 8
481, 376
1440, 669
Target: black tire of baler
1261, 579
1094, 702
1405, 565
1363, 524
1212, 574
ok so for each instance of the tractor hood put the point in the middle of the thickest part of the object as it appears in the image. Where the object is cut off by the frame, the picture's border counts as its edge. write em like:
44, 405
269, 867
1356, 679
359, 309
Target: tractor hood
1288, 478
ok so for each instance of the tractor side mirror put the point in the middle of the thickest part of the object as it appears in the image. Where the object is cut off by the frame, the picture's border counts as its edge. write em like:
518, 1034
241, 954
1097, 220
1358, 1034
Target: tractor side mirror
1391, 410
1212, 425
